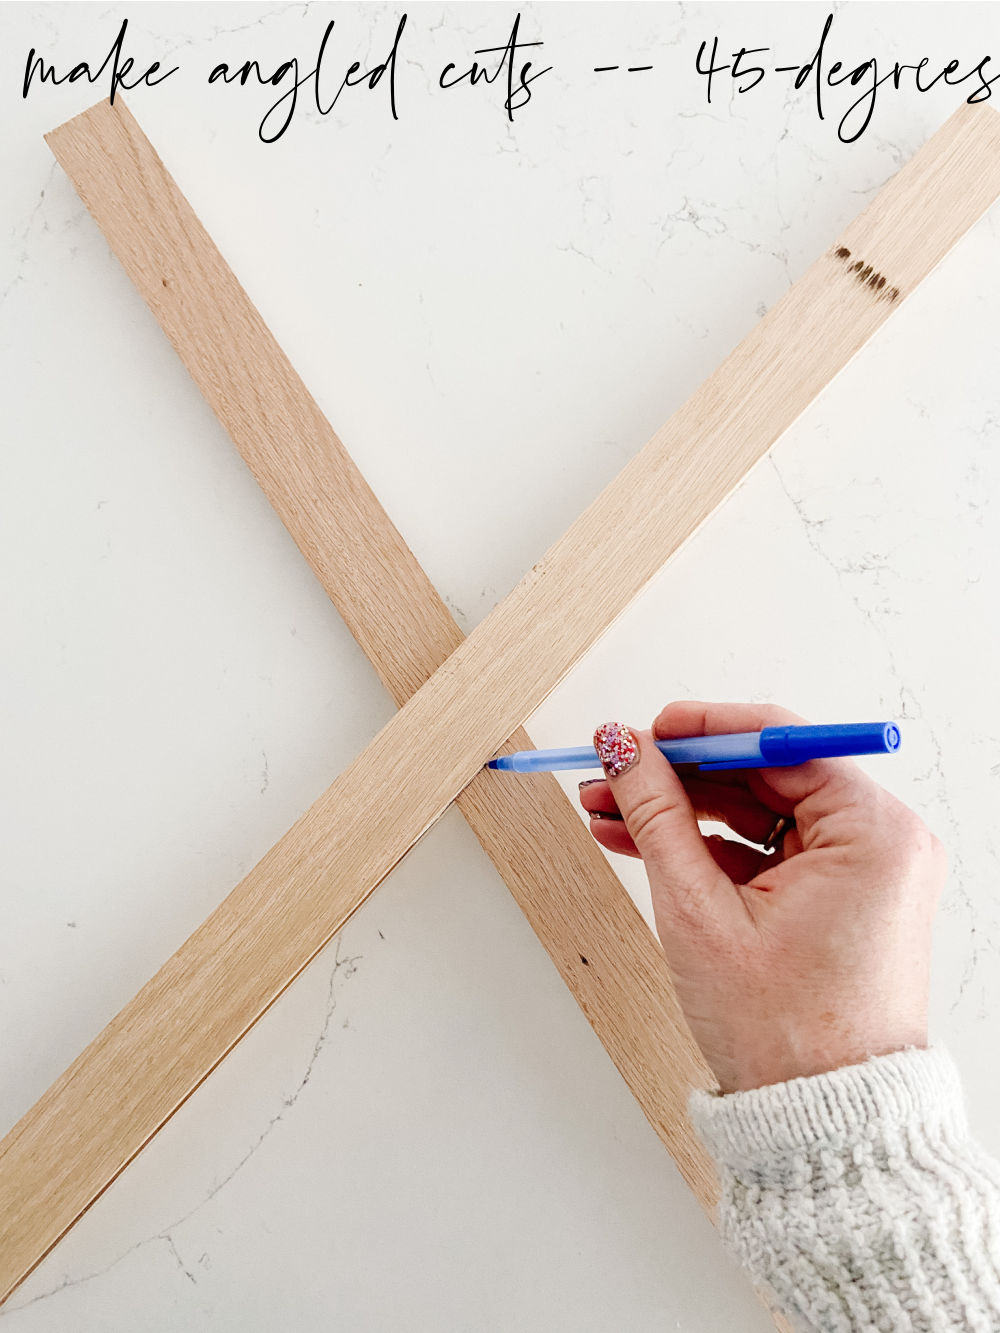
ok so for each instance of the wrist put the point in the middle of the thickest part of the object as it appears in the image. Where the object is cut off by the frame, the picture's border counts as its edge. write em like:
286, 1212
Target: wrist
791, 1053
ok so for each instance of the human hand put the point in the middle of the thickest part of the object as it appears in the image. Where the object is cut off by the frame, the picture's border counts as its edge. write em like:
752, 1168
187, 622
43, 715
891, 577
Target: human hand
793, 962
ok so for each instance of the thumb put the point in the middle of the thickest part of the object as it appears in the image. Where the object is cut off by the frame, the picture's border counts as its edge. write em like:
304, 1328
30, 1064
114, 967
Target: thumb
661, 821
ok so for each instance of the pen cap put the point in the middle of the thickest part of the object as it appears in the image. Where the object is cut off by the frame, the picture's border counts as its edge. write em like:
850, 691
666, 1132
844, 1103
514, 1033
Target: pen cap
794, 745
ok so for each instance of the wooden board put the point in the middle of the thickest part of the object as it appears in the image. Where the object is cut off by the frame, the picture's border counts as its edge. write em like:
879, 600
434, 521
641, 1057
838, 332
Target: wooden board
540, 845
149, 1059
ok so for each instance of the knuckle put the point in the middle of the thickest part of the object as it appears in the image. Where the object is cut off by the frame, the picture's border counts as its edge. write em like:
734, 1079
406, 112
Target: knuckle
773, 715
928, 848
909, 829
908, 845
651, 812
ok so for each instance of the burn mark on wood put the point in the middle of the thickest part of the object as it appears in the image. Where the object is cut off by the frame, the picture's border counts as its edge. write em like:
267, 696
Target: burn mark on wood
867, 275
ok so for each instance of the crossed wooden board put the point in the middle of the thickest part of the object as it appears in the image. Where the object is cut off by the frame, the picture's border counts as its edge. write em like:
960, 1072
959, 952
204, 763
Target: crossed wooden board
461, 700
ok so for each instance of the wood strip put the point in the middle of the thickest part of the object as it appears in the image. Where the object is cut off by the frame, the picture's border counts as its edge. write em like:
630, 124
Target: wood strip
563, 884
164, 1042
561, 880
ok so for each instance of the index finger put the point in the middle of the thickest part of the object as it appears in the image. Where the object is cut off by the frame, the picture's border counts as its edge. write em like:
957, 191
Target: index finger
779, 785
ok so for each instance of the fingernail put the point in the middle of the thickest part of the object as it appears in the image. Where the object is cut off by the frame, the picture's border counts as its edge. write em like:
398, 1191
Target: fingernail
607, 814
616, 748
590, 782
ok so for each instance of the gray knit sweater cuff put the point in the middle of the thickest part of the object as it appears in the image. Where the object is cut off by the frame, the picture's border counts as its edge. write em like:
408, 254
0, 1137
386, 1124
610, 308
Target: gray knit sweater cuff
891, 1091
858, 1199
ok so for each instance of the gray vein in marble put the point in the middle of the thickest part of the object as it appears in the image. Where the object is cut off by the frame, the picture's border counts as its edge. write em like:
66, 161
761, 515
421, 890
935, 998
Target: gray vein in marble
221, 30
909, 707
570, 249
458, 613
345, 965
166, 1236
22, 240
591, 200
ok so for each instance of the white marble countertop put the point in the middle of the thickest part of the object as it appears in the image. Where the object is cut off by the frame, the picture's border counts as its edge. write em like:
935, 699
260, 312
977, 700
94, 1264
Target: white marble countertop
424, 1134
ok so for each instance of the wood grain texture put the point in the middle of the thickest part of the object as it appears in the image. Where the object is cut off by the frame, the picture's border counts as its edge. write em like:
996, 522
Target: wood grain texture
559, 877
149, 1059
539, 844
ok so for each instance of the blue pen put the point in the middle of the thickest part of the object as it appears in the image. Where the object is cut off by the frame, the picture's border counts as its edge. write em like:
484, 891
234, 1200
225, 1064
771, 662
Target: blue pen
774, 747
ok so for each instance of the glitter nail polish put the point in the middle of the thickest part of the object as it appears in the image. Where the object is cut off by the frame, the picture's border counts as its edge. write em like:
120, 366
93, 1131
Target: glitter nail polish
616, 748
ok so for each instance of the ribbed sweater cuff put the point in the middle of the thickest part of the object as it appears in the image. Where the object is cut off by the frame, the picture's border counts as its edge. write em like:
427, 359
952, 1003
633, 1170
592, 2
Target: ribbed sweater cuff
909, 1087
